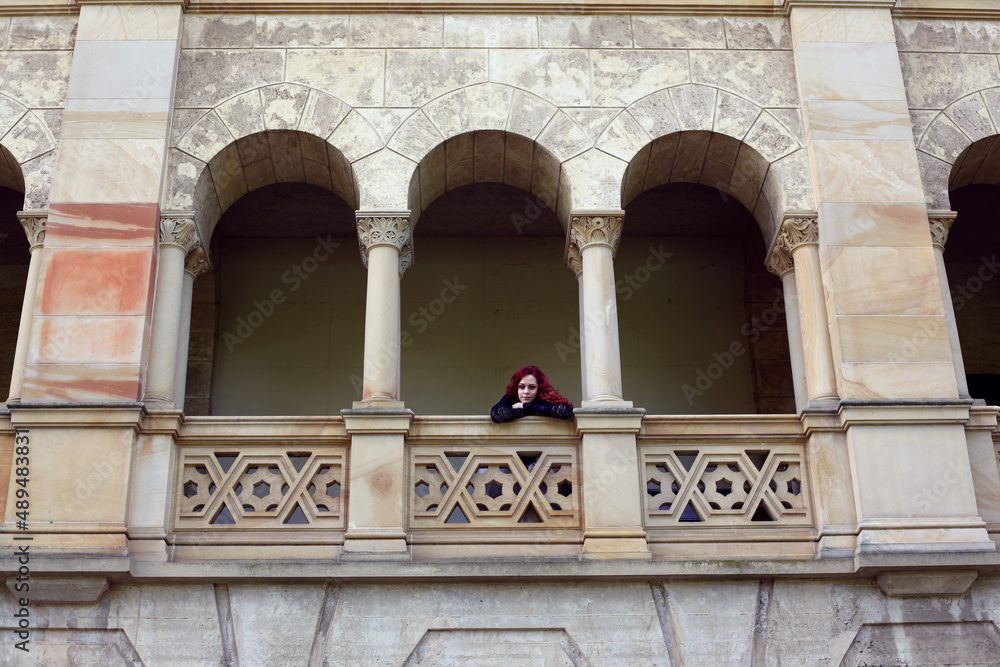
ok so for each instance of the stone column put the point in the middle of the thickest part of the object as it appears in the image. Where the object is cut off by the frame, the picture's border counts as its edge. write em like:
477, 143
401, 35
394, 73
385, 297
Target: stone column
596, 235
799, 237
780, 263
575, 264
900, 404
34, 226
386, 252
195, 265
178, 237
941, 222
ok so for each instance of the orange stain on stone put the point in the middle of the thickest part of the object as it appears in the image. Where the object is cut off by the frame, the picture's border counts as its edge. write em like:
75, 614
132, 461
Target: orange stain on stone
96, 281
92, 224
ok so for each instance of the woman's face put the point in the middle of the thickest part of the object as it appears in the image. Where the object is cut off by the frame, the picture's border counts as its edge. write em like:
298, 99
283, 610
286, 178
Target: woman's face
527, 389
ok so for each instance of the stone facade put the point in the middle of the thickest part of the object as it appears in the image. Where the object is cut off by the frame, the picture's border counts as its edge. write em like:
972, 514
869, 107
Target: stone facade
228, 440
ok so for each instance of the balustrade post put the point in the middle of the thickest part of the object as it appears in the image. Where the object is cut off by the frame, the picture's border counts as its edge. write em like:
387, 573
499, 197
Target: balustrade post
607, 424
34, 226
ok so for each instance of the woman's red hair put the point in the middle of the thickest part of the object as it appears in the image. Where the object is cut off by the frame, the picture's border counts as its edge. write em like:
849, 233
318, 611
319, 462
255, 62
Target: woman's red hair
546, 392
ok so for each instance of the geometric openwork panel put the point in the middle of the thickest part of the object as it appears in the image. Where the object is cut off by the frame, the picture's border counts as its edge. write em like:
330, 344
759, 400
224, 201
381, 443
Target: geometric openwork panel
725, 485
260, 487
501, 486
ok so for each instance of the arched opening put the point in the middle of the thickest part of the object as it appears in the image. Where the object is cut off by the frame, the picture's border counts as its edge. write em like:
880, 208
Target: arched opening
14, 259
973, 266
277, 325
488, 291
701, 321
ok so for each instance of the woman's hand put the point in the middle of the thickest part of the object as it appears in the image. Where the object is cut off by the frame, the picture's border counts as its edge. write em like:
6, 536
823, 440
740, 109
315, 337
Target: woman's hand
518, 406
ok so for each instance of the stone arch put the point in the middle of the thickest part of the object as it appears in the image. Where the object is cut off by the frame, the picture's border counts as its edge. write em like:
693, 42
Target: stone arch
959, 145
497, 110
488, 156
701, 134
27, 152
272, 134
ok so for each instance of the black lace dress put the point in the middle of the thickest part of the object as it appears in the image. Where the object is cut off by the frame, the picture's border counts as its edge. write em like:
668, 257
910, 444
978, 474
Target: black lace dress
504, 412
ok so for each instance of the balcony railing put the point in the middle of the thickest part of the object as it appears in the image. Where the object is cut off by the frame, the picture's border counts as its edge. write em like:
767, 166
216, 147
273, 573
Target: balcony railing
723, 480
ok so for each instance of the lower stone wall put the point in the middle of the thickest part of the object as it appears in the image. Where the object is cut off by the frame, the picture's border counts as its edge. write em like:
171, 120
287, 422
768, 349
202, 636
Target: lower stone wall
718, 622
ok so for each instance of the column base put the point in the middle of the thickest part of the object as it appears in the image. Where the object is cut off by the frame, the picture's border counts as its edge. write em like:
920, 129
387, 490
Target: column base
926, 540
623, 543
837, 546
375, 545
149, 550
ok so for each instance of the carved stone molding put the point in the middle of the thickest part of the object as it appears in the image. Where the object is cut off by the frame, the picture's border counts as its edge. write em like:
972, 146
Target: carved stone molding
941, 222
34, 226
386, 229
180, 231
596, 228
196, 262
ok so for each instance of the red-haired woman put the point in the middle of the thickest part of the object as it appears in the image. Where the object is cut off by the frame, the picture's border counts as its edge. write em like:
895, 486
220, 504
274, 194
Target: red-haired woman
531, 393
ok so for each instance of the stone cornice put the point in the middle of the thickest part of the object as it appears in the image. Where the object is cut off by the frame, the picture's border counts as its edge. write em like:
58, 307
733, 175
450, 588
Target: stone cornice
941, 222
34, 226
391, 229
179, 229
595, 228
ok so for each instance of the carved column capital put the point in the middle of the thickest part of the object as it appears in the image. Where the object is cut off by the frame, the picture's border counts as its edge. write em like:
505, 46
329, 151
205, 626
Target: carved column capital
574, 259
34, 226
779, 260
596, 227
799, 230
941, 222
196, 262
392, 229
178, 229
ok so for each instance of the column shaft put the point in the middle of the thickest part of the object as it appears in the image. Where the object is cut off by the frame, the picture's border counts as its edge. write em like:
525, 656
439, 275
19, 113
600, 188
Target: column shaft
34, 226
796, 351
597, 236
821, 381
386, 251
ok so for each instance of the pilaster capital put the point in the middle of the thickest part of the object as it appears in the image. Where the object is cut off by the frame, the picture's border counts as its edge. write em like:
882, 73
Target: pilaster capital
34, 226
941, 222
179, 229
196, 262
391, 229
596, 228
